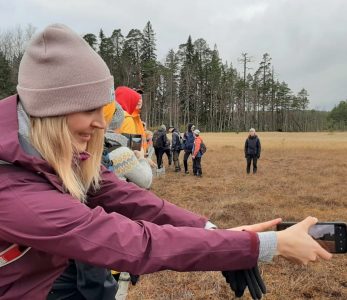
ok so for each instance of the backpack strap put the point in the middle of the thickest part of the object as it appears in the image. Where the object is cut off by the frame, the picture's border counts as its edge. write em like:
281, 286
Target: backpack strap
12, 253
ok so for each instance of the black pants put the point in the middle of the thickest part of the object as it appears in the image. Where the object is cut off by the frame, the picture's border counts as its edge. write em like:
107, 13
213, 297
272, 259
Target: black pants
250, 158
197, 166
185, 159
176, 159
169, 155
159, 154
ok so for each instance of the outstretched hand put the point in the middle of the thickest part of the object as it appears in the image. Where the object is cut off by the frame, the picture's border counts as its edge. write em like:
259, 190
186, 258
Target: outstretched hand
296, 245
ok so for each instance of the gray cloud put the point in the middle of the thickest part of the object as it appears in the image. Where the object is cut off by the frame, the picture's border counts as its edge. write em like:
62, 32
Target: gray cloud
306, 39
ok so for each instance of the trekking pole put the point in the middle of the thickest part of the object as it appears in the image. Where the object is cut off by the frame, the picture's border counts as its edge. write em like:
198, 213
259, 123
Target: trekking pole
123, 285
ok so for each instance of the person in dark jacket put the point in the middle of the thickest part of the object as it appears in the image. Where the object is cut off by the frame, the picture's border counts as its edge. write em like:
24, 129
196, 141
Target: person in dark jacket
160, 144
59, 203
188, 139
252, 150
176, 147
167, 149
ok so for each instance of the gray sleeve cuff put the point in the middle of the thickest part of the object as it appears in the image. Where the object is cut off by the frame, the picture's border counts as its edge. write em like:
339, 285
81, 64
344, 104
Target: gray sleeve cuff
210, 225
267, 246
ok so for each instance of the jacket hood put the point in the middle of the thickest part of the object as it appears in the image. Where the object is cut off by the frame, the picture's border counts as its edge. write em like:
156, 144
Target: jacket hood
127, 98
11, 150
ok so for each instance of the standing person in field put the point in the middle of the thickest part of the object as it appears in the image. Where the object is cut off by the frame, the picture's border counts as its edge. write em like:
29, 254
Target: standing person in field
167, 149
59, 203
160, 144
188, 145
252, 150
197, 153
176, 147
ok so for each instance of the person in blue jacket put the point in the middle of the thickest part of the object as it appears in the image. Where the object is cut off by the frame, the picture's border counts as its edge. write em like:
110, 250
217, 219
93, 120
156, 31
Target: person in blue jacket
188, 145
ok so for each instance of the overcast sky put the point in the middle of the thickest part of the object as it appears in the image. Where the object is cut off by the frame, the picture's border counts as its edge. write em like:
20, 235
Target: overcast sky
307, 39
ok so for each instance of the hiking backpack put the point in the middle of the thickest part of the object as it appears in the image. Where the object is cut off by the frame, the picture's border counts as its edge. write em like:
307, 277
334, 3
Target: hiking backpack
158, 139
203, 148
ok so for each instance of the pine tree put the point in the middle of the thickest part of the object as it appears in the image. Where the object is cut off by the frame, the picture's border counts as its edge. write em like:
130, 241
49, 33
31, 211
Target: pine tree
132, 55
106, 51
172, 82
7, 87
92, 40
118, 44
338, 115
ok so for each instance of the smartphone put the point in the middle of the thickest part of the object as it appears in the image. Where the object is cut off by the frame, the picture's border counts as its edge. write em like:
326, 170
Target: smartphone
332, 236
134, 141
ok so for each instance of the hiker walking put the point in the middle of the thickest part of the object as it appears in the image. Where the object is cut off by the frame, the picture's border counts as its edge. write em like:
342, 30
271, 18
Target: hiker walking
188, 145
252, 150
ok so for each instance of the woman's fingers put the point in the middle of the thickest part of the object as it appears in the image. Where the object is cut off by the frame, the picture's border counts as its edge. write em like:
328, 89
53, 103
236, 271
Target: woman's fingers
307, 223
322, 253
297, 245
265, 225
259, 226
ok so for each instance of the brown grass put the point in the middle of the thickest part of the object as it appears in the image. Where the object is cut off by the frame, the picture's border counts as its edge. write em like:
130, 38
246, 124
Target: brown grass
300, 174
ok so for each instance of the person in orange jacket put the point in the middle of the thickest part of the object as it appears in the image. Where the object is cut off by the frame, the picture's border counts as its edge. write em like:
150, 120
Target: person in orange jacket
131, 102
197, 154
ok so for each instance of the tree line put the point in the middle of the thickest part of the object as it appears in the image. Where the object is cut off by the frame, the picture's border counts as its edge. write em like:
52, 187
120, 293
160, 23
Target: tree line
191, 85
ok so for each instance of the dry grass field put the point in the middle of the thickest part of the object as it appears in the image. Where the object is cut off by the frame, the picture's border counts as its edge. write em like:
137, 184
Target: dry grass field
299, 174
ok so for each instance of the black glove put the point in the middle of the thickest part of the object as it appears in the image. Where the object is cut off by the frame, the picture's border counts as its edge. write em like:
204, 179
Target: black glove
240, 279
134, 279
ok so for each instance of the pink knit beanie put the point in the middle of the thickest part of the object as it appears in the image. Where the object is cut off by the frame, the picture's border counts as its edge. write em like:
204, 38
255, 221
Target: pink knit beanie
61, 74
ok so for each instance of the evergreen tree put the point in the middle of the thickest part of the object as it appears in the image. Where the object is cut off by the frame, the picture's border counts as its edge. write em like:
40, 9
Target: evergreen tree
92, 40
118, 44
106, 51
338, 115
132, 55
7, 87
172, 82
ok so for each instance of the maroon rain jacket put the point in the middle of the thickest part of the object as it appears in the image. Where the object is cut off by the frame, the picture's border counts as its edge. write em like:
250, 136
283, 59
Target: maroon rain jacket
123, 227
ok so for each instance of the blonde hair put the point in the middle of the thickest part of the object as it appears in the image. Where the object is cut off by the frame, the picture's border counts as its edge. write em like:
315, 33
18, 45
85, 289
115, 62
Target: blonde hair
52, 138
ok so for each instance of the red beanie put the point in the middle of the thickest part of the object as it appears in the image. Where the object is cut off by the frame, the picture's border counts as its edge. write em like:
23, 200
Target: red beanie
127, 98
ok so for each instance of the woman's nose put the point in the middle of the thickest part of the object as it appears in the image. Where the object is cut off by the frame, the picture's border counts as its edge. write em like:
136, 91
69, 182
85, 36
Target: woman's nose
99, 120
